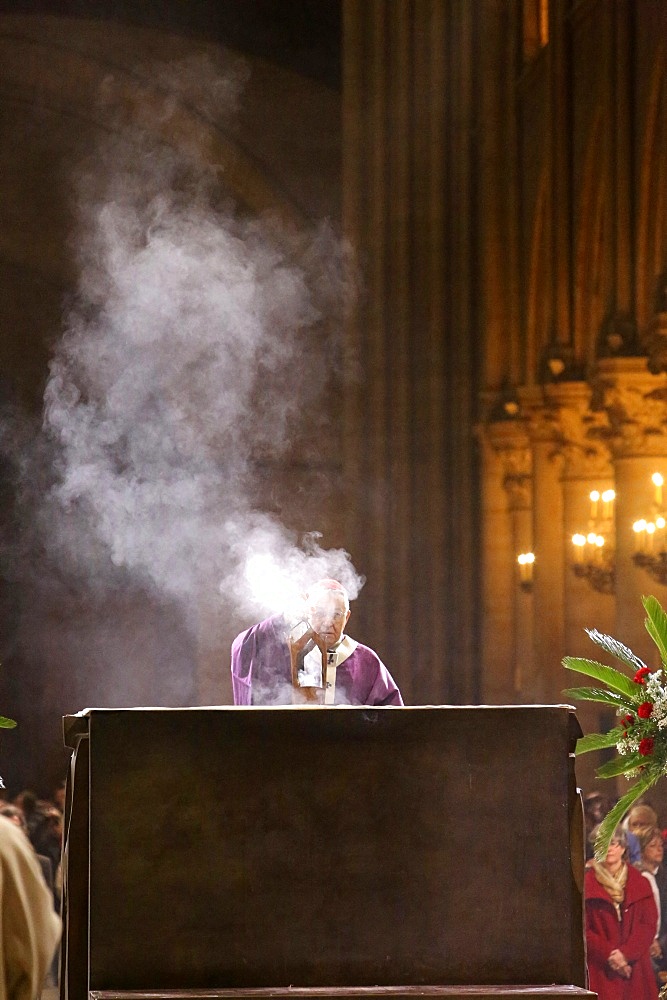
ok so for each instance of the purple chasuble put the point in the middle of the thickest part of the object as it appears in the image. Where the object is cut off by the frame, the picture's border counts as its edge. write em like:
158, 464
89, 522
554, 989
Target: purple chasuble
261, 671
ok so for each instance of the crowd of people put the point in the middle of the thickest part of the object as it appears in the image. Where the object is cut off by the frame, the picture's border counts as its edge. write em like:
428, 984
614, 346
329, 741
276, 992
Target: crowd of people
41, 820
30, 893
626, 904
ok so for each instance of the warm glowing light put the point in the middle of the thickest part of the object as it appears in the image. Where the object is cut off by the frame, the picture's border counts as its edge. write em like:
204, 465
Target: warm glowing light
269, 585
599, 541
595, 499
579, 540
660, 522
639, 525
650, 528
608, 496
591, 537
525, 561
657, 479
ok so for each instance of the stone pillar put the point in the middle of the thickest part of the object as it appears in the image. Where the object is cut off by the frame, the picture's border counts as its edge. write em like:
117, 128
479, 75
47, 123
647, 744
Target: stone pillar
510, 442
547, 532
636, 403
497, 557
586, 466
409, 468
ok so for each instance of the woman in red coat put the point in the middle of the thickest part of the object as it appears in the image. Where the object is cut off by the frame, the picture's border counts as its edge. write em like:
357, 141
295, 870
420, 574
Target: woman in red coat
620, 925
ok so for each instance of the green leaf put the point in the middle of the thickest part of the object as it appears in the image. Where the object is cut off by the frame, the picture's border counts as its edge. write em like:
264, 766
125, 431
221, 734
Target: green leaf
656, 624
6, 723
599, 694
598, 741
601, 672
620, 765
615, 648
616, 814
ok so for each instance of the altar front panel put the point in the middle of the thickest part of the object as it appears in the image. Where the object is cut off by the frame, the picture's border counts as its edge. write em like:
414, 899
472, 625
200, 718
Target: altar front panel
343, 847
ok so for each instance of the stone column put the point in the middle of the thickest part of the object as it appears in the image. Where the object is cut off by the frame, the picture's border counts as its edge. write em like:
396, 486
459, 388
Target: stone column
497, 558
409, 468
544, 686
511, 445
586, 466
636, 403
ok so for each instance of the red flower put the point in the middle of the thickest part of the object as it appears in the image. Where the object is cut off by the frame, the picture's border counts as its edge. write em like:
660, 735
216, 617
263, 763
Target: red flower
646, 746
645, 709
640, 675
628, 720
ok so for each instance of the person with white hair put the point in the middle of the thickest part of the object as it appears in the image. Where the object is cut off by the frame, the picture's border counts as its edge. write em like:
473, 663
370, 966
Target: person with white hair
621, 919
29, 927
262, 660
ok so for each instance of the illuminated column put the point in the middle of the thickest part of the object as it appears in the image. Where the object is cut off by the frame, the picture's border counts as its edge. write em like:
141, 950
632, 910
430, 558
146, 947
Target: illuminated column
513, 467
586, 467
497, 557
635, 401
547, 510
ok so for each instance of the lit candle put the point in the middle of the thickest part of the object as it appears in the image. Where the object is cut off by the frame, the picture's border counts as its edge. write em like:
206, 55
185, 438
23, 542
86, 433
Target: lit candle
579, 541
599, 545
595, 497
608, 498
525, 561
658, 482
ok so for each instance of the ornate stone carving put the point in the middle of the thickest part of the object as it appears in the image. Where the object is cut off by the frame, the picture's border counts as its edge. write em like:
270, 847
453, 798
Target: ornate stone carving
510, 441
580, 433
655, 342
520, 491
636, 404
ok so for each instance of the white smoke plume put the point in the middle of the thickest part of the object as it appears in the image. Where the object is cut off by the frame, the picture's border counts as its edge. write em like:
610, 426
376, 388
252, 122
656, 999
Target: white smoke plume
198, 342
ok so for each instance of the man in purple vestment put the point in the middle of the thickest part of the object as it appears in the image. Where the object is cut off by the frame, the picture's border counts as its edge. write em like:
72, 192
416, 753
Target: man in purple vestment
261, 664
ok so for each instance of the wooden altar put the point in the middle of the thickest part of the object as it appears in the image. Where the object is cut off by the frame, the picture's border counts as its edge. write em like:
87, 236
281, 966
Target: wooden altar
323, 852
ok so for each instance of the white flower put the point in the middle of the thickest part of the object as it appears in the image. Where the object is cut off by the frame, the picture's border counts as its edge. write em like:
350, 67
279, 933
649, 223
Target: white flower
627, 745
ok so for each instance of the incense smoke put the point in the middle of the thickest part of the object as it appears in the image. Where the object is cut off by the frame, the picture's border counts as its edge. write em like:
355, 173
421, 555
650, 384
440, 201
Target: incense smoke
174, 378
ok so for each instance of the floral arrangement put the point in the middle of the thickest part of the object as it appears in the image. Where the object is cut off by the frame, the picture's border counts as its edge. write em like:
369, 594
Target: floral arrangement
640, 700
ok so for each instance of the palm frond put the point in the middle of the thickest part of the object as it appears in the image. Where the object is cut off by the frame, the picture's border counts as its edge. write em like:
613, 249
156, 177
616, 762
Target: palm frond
598, 741
601, 672
616, 814
656, 624
6, 723
615, 648
599, 694
620, 765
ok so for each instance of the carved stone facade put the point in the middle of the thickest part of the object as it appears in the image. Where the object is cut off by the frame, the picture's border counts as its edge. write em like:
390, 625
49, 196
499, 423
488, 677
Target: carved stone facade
581, 287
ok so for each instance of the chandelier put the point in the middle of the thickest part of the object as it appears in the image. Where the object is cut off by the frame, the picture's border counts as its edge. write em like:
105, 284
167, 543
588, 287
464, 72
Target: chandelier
650, 536
593, 550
